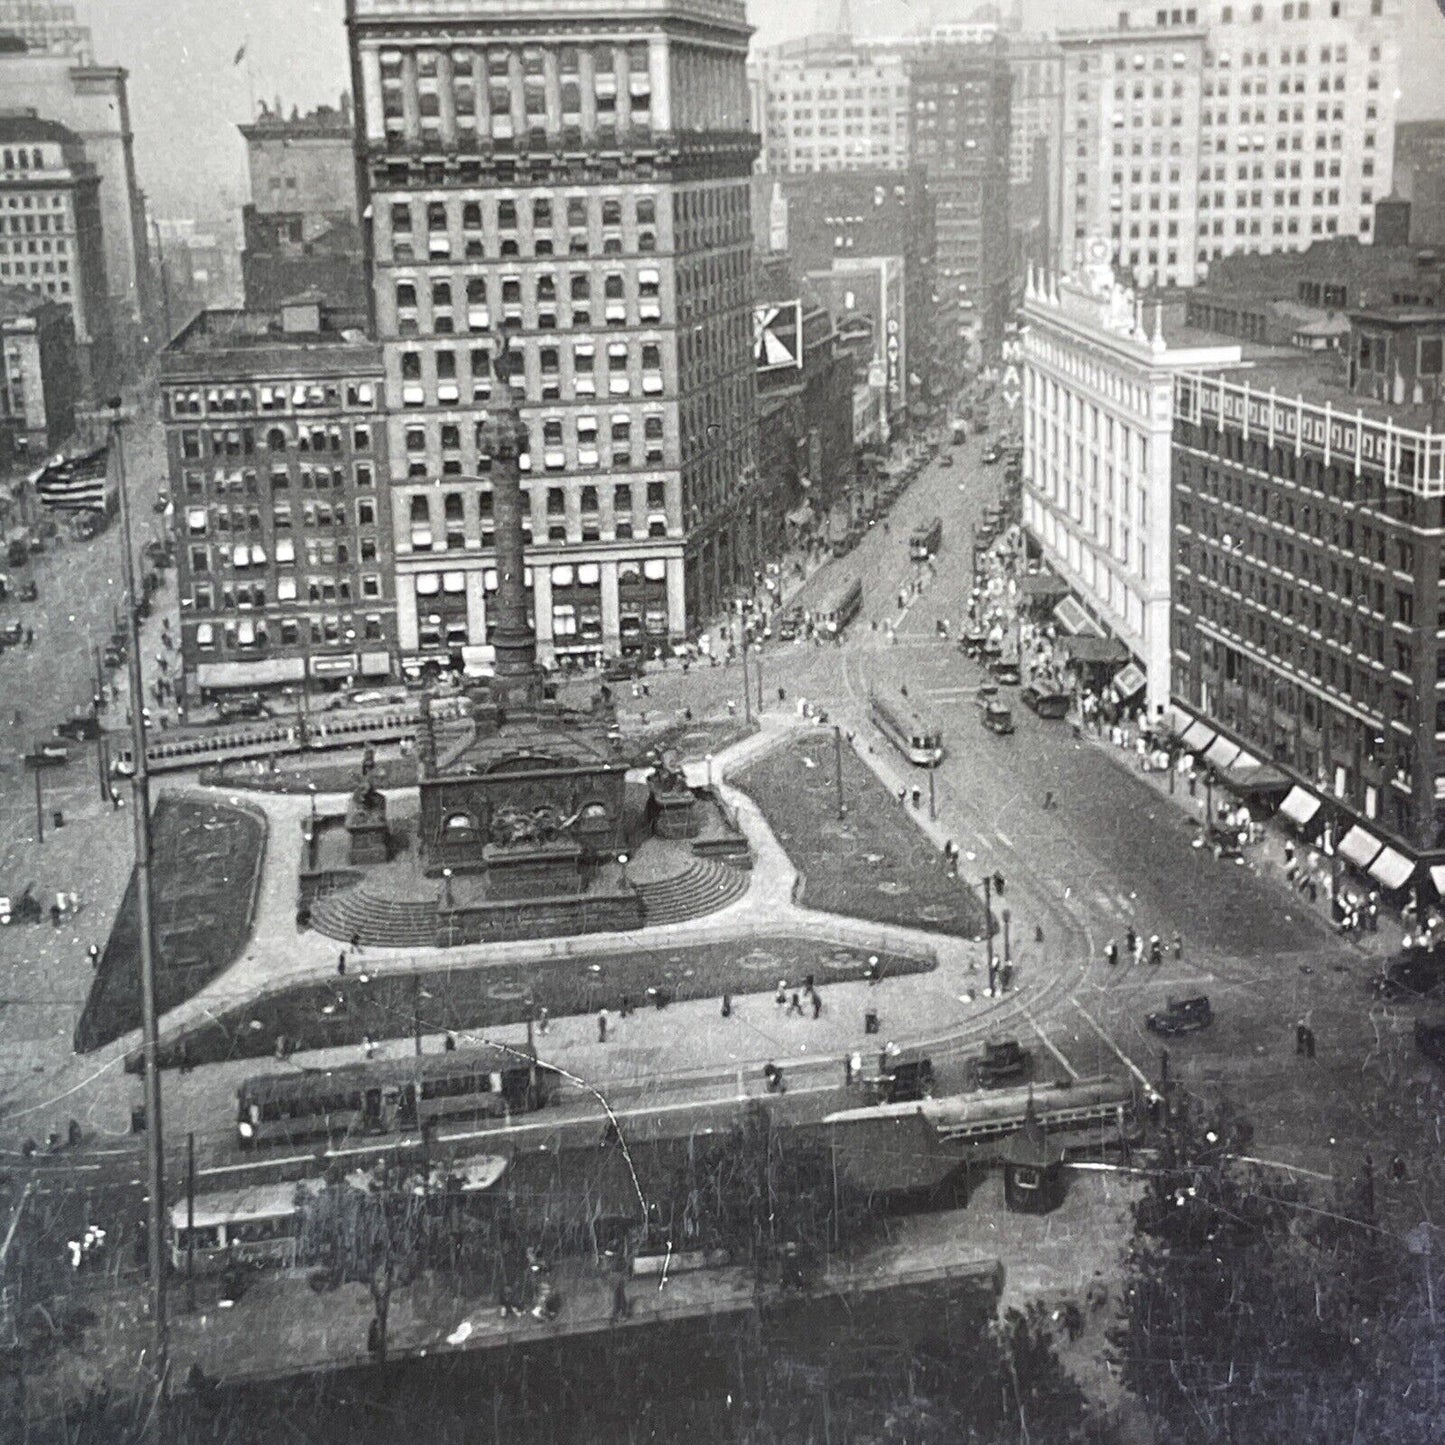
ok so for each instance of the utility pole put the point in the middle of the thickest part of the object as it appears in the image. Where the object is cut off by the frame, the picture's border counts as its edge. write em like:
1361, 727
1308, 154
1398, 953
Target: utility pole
932, 801
747, 684
39, 806
988, 925
838, 764
150, 1034
191, 1222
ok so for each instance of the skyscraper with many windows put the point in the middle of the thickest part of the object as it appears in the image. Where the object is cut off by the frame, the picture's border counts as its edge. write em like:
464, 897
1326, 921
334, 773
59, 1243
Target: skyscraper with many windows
1196, 132
578, 178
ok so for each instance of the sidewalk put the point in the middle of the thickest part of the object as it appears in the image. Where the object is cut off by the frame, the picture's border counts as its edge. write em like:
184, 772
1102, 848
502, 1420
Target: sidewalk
1266, 857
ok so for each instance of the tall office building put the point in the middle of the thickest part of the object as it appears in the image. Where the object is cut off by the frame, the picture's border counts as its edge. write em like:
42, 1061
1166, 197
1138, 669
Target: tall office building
577, 179
301, 226
1195, 132
829, 104
92, 101
50, 233
45, 26
961, 124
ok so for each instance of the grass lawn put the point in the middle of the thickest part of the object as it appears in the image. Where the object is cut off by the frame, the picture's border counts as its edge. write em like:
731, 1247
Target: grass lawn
206, 862
342, 1010
875, 864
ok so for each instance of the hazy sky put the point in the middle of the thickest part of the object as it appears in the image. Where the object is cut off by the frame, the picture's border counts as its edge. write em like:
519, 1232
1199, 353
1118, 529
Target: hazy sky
187, 95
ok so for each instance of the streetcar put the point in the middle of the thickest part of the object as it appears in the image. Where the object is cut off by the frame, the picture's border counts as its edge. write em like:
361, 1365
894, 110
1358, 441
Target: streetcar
917, 739
839, 605
888, 1148
377, 1098
925, 540
259, 1225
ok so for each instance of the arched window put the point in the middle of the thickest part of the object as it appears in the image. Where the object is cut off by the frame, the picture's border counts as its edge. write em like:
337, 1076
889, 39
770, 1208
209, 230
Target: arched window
459, 828
276, 439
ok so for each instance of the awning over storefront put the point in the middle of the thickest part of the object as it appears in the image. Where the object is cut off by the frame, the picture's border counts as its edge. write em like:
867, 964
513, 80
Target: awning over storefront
1095, 649
801, 516
1074, 620
250, 674
1221, 752
1246, 775
1198, 736
1437, 877
1042, 584
1359, 847
1392, 869
1177, 720
1300, 805
1129, 681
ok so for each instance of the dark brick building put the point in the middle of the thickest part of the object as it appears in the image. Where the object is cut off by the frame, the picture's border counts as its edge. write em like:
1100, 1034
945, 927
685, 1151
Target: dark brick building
1307, 522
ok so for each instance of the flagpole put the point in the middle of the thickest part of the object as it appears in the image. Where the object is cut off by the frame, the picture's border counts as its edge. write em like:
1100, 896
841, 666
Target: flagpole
150, 1041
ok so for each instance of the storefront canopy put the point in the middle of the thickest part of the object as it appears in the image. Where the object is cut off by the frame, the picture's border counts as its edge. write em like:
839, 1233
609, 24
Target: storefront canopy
1248, 775
1095, 649
1129, 681
1221, 752
1198, 736
1392, 869
1177, 720
1360, 847
1074, 620
1437, 877
1300, 805
1042, 584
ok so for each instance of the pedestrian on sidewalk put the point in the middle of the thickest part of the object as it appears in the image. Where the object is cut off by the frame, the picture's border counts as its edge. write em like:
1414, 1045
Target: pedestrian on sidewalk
94, 952
602, 1026
368, 1046
341, 964
1111, 952
1178, 945
917, 796
875, 972
1048, 801
1131, 938
1156, 950
621, 1305
782, 696
795, 1006
781, 997
817, 1003
543, 1022
355, 942
727, 1005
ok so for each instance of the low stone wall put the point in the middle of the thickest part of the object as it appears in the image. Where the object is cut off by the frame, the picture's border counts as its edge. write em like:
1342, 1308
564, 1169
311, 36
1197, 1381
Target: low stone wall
528, 918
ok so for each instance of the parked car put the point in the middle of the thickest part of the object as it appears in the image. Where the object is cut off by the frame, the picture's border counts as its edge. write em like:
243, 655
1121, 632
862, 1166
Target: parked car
946, 460
1004, 1061
790, 625
622, 669
247, 705
12, 634
1182, 1016
48, 754
901, 1078
1045, 704
991, 456
84, 727
997, 718
1005, 671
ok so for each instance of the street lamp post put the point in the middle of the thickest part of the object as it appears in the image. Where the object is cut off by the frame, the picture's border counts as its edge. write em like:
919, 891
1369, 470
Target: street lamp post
932, 796
622, 862
988, 929
708, 760
838, 768
747, 685
1007, 917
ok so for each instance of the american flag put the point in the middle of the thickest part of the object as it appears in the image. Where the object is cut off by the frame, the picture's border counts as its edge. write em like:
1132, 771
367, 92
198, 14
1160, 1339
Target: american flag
74, 484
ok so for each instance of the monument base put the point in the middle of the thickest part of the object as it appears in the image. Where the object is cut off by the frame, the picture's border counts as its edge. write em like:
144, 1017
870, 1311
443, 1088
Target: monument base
533, 870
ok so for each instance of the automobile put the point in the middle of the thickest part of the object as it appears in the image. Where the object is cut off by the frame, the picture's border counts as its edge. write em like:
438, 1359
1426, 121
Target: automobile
162, 501
1413, 974
247, 705
901, 1078
1227, 844
30, 592
790, 625
1182, 1016
946, 460
1004, 1061
991, 456
48, 754
997, 718
84, 727
25, 909
12, 634
113, 655
1045, 704
1430, 1039
1005, 671
622, 669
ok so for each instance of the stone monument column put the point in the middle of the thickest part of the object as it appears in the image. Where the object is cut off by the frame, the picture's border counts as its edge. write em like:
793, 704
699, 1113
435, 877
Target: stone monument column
517, 682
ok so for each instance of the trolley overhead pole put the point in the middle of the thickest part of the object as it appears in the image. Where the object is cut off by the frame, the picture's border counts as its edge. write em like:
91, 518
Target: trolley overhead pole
150, 1041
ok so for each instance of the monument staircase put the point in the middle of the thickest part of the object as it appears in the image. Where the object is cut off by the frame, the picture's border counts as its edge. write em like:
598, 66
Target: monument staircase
379, 921
705, 886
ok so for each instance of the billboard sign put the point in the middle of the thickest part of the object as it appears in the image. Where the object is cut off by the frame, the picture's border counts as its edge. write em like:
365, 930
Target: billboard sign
778, 336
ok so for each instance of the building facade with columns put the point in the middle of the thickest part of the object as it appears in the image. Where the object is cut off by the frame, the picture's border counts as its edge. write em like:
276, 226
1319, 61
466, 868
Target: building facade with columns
1098, 414
578, 178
